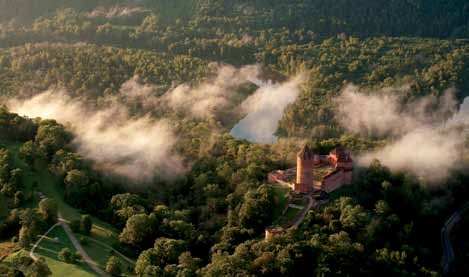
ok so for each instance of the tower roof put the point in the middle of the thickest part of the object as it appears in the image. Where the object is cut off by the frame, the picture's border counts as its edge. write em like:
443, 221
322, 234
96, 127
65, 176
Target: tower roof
341, 154
306, 153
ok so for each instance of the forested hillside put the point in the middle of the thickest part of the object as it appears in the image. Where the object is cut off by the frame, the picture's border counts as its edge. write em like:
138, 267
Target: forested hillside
131, 104
436, 18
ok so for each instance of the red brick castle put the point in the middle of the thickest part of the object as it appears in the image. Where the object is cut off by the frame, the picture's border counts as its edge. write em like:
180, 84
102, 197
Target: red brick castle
316, 172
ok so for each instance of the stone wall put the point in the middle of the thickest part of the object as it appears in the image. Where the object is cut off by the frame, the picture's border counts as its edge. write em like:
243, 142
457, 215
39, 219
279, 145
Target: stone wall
336, 180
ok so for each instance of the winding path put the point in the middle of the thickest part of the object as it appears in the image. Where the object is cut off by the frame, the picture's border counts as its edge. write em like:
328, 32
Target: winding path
31, 252
303, 212
448, 253
86, 258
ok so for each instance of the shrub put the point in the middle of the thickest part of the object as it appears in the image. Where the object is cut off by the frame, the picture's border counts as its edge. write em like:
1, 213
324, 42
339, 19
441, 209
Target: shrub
75, 225
66, 255
86, 224
77, 256
113, 266
83, 241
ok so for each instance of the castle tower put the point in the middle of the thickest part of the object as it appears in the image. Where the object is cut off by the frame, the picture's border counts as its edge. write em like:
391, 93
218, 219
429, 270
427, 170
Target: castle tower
304, 170
341, 159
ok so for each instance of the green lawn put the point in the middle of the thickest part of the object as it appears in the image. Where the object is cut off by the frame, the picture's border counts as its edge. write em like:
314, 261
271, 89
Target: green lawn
290, 214
50, 186
281, 194
101, 254
299, 200
48, 248
319, 171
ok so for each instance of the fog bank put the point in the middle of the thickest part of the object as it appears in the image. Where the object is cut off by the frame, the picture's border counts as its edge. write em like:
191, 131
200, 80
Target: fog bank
424, 135
134, 147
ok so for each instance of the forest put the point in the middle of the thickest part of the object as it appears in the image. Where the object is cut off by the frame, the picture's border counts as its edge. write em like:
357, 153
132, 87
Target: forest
112, 67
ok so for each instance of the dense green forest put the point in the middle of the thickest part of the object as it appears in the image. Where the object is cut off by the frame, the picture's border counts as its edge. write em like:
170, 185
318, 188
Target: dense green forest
209, 219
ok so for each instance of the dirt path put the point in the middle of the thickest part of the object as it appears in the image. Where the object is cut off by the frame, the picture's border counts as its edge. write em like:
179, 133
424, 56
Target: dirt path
87, 259
31, 252
303, 212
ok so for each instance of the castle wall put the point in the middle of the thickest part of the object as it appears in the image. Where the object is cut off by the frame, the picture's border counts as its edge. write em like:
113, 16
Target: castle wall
273, 231
336, 180
274, 177
305, 182
324, 159
344, 165
348, 177
317, 185
305, 188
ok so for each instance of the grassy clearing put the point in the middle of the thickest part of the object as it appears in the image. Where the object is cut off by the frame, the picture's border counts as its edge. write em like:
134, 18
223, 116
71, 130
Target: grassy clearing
290, 214
51, 187
101, 254
281, 195
39, 179
49, 249
319, 171
299, 200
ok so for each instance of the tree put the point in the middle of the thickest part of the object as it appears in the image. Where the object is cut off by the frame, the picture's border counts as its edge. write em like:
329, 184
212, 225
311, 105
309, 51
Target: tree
19, 196
65, 161
39, 268
165, 252
66, 255
28, 152
256, 210
126, 205
31, 222
79, 189
137, 231
24, 237
150, 270
5, 165
145, 260
86, 224
186, 261
149, 24
75, 225
51, 137
76, 178
169, 250
14, 182
113, 266
48, 209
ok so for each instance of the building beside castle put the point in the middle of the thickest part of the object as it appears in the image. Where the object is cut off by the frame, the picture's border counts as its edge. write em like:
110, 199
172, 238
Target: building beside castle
316, 172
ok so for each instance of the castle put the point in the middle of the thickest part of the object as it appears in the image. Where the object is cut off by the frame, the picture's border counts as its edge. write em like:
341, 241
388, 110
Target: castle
316, 172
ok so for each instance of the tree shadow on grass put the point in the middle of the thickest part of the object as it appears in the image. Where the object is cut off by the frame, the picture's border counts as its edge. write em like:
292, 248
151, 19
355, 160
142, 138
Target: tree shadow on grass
50, 248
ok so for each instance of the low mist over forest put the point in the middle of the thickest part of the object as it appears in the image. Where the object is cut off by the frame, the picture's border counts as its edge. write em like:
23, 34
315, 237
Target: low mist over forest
145, 131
